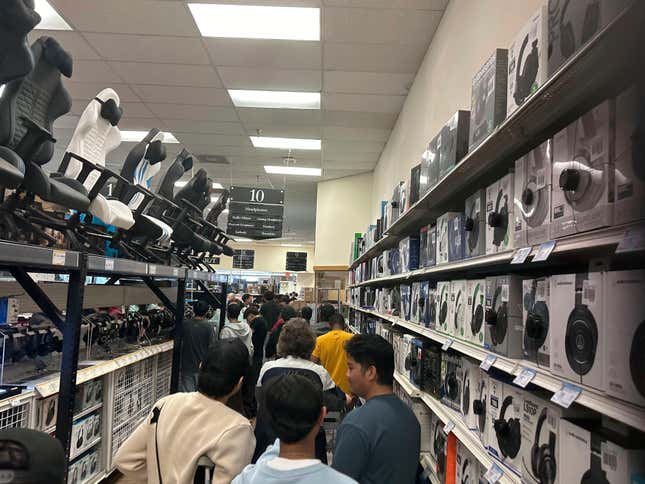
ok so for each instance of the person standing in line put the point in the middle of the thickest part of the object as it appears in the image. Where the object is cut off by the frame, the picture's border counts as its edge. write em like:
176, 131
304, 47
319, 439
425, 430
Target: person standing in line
198, 334
269, 309
330, 351
325, 312
31, 456
234, 328
259, 328
380, 441
306, 313
286, 313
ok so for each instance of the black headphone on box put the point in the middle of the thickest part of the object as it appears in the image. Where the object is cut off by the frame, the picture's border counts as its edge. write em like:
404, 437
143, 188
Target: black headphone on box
595, 474
525, 75
476, 312
471, 226
443, 311
439, 444
536, 328
498, 219
581, 339
508, 432
465, 478
458, 302
452, 385
465, 393
637, 359
534, 201
497, 318
479, 407
590, 26
543, 457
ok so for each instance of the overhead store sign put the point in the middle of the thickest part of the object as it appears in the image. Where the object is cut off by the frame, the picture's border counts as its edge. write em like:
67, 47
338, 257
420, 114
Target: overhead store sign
243, 259
255, 213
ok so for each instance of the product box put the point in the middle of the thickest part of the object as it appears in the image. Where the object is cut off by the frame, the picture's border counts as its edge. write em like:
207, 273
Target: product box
395, 301
457, 308
456, 238
405, 301
468, 467
475, 224
589, 453
442, 236
414, 302
629, 189
409, 254
394, 208
532, 206
48, 411
454, 142
625, 341
577, 327
488, 98
425, 366
527, 60
439, 448
402, 344
582, 182
480, 407
404, 190
535, 316
443, 293
469, 387
451, 376
415, 184
424, 416
430, 163
499, 215
419, 303
430, 320
505, 440
474, 327
427, 246
393, 259
503, 315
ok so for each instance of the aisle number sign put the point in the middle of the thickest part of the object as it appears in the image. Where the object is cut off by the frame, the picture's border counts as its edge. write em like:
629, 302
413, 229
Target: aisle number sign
255, 213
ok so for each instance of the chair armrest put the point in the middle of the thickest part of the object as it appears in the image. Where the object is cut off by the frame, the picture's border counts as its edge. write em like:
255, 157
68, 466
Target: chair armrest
185, 202
33, 140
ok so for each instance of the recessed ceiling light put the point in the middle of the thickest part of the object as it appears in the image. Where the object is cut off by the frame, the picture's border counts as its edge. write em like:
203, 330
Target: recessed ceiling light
256, 22
51, 19
292, 170
243, 98
285, 143
183, 184
242, 239
136, 136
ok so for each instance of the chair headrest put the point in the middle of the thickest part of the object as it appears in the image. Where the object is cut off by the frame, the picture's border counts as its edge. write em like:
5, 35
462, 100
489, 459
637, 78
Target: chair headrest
17, 19
110, 111
54, 53
156, 152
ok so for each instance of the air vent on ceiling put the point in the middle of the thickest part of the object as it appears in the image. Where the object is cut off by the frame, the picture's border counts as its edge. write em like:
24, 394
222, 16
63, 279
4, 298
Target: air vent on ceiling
214, 159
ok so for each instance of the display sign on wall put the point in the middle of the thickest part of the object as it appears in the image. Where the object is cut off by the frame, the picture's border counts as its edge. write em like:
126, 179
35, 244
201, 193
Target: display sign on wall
296, 261
255, 213
243, 259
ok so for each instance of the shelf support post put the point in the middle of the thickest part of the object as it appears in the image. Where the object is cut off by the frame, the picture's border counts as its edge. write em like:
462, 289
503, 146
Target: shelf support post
160, 294
179, 332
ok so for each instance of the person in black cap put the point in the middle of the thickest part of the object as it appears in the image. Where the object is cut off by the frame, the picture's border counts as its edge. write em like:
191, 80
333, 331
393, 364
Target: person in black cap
198, 335
31, 457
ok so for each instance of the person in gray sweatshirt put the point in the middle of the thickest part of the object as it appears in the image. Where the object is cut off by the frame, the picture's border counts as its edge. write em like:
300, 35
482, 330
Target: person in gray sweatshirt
234, 328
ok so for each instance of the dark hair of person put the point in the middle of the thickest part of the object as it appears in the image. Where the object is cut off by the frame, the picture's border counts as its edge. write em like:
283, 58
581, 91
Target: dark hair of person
288, 312
373, 350
200, 308
293, 403
337, 319
306, 312
268, 295
233, 310
251, 311
246, 297
226, 362
296, 339
325, 312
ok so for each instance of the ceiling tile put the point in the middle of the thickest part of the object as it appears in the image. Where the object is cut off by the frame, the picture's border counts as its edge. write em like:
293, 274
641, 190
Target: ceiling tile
258, 53
183, 95
372, 57
204, 127
130, 109
194, 112
363, 102
398, 4
72, 42
269, 117
94, 71
289, 131
128, 16
147, 48
268, 79
349, 119
224, 150
167, 74
332, 148
213, 139
88, 90
350, 158
132, 123
367, 134
344, 165
367, 82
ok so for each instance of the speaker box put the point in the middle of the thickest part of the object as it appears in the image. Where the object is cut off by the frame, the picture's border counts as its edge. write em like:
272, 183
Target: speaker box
454, 142
475, 224
475, 326
578, 329
443, 242
499, 215
536, 312
488, 98
444, 324
405, 301
527, 59
582, 182
456, 238
457, 307
503, 315
451, 380
629, 177
409, 254
625, 341
427, 246
532, 205
505, 434
467, 466
469, 392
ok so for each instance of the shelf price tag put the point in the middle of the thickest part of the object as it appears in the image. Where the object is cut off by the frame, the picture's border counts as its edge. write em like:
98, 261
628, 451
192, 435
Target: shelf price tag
58, 257
488, 362
633, 240
544, 251
524, 378
521, 255
566, 395
493, 474
109, 264
152, 269
447, 344
450, 425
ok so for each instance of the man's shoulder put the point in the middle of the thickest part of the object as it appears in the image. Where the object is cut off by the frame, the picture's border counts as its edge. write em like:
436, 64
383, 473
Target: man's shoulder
332, 475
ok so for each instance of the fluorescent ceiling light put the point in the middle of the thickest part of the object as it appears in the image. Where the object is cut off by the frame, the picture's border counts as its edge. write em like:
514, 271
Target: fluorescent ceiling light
256, 22
51, 20
285, 143
243, 98
136, 136
292, 170
1, 90
184, 183
291, 245
242, 239
225, 210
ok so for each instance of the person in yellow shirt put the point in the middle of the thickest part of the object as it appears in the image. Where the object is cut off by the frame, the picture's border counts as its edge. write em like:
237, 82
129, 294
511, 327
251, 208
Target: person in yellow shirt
330, 351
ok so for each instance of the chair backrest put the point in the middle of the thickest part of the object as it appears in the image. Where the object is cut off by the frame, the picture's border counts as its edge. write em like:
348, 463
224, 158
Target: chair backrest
195, 190
175, 171
96, 135
218, 207
17, 19
40, 97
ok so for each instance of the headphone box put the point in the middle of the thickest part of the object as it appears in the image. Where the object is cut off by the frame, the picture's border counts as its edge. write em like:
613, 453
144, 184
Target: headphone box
469, 387
505, 434
451, 377
457, 308
415, 184
596, 454
404, 191
424, 416
468, 467
503, 315
427, 246
474, 327
625, 343
443, 307
479, 400
443, 241
532, 204
403, 347
536, 308
499, 215
395, 204
456, 238
527, 59
404, 290
47, 412
488, 98
429, 319
577, 328
629, 178
425, 366
474, 224
430, 165
454, 141
583, 174
415, 297
420, 311
393, 259
409, 254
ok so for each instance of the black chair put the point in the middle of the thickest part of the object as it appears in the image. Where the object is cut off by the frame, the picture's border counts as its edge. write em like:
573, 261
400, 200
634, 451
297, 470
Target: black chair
17, 19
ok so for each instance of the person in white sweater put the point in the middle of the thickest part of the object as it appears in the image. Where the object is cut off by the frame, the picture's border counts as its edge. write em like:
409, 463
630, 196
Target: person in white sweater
234, 328
183, 427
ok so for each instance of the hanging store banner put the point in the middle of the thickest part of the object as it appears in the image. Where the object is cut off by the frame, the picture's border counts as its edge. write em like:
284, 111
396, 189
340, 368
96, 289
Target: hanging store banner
255, 213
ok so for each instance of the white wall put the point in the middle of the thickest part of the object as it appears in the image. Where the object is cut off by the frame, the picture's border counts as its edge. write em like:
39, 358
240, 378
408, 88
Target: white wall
342, 209
468, 34
270, 258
